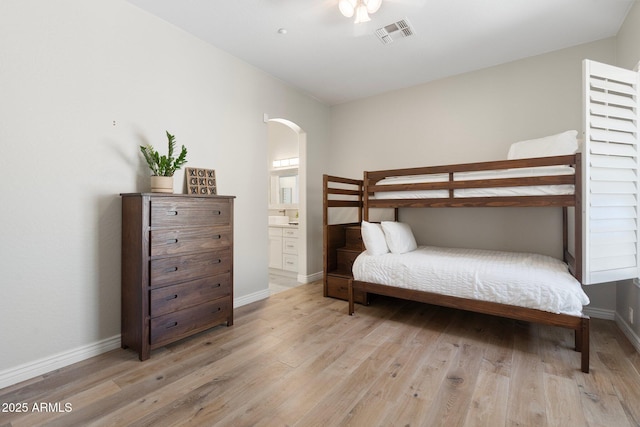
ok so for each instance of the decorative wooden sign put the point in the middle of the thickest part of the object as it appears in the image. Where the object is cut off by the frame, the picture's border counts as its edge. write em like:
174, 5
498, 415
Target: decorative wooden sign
201, 181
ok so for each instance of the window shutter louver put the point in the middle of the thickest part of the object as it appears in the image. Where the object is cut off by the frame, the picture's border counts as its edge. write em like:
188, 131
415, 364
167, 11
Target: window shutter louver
610, 199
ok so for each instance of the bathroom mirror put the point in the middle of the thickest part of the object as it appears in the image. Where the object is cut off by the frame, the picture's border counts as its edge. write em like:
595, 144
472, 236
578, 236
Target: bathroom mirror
283, 189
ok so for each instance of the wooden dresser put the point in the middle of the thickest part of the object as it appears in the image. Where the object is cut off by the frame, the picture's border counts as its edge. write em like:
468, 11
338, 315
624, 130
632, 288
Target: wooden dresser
177, 267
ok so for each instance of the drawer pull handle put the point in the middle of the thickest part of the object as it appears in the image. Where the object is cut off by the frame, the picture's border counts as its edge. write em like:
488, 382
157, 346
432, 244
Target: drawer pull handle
171, 270
170, 297
172, 241
217, 285
217, 261
217, 310
172, 213
217, 237
172, 325
217, 212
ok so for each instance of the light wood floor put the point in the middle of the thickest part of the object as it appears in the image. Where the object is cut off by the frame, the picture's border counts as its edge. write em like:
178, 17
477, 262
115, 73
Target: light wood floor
299, 359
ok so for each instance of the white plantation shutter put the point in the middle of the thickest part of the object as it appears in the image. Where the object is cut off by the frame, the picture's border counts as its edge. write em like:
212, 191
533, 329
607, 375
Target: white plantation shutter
610, 190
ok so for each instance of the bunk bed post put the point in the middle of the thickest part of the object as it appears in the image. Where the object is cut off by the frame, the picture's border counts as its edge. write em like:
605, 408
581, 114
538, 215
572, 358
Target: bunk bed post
578, 261
360, 199
365, 197
582, 344
350, 297
565, 234
325, 231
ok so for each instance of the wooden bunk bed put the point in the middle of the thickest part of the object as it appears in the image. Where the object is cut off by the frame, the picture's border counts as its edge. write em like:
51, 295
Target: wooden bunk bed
459, 185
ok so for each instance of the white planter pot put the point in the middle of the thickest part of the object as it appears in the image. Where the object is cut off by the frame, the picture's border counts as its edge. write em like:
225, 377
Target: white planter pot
162, 184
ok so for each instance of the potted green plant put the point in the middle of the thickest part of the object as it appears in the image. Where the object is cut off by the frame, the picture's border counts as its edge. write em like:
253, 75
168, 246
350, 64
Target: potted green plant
163, 167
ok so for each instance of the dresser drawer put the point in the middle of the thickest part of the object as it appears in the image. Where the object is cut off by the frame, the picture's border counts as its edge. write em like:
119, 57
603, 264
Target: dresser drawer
167, 271
177, 297
192, 212
173, 326
183, 240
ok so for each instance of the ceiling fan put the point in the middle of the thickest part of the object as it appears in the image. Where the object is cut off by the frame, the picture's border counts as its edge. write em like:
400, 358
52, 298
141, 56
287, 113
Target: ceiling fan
360, 8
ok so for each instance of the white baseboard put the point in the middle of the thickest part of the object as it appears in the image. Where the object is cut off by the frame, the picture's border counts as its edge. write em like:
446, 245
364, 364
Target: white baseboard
283, 273
310, 277
30, 370
60, 360
626, 329
248, 299
628, 332
600, 313
300, 278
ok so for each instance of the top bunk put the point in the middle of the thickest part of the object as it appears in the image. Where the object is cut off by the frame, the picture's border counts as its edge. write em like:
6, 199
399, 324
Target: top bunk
543, 181
538, 172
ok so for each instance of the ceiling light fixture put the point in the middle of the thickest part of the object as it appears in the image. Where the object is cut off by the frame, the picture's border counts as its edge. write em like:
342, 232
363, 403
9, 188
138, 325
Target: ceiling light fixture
360, 8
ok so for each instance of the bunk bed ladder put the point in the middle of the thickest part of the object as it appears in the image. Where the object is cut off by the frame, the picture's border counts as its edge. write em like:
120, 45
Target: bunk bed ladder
610, 190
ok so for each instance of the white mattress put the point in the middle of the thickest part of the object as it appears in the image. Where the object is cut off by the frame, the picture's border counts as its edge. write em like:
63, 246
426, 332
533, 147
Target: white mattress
541, 190
520, 279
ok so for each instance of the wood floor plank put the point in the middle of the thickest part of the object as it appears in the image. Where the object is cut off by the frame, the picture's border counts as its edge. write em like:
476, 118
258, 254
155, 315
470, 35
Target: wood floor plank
80, 400
380, 400
454, 396
600, 402
564, 408
298, 359
559, 345
332, 407
489, 401
526, 404
415, 403
498, 352
260, 405
626, 386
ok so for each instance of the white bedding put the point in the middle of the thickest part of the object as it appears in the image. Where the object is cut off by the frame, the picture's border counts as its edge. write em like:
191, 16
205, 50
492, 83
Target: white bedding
520, 279
541, 190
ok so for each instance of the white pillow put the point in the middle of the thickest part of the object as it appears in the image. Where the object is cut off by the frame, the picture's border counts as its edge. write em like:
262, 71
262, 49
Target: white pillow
399, 237
555, 145
373, 238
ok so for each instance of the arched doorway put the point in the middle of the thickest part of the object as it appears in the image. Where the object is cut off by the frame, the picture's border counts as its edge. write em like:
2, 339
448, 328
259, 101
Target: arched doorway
286, 204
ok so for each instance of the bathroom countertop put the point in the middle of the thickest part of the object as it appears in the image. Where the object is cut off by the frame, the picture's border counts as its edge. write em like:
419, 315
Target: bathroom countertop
284, 225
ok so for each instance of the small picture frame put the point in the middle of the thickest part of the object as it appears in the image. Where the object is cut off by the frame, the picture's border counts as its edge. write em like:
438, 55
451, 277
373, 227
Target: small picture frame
201, 181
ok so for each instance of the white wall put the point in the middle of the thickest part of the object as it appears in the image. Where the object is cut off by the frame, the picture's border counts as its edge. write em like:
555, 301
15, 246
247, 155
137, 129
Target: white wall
469, 118
283, 142
82, 85
628, 40
628, 55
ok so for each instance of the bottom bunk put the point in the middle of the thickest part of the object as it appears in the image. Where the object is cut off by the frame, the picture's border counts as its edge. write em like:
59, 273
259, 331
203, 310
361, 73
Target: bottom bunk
522, 286
580, 324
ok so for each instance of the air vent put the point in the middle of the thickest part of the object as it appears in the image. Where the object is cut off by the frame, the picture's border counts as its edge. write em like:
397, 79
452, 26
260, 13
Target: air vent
395, 31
